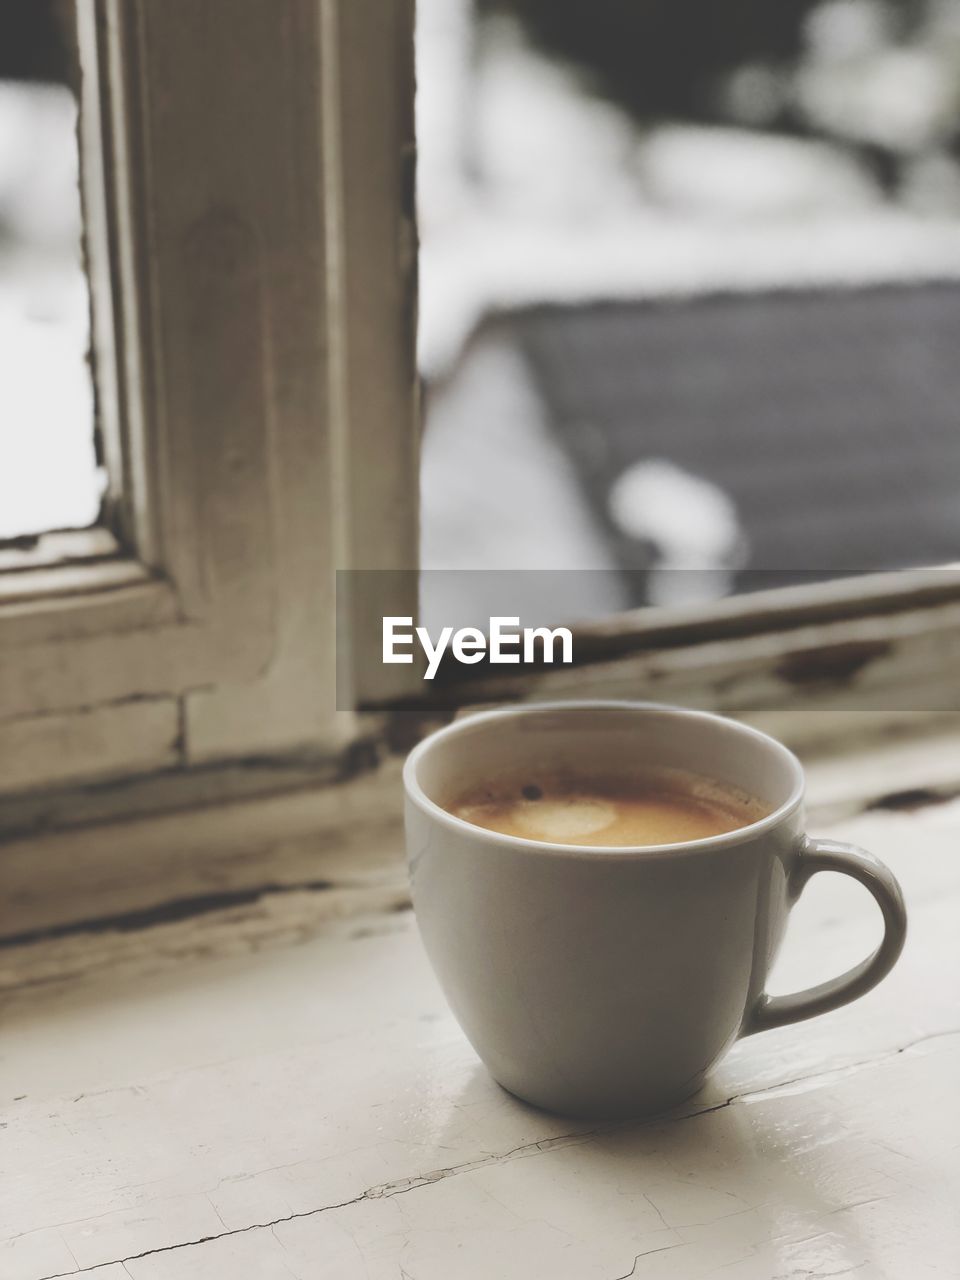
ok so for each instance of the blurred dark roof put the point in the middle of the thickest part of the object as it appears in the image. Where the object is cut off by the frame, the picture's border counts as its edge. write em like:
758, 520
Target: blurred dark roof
663, 57
34, 41
832, 419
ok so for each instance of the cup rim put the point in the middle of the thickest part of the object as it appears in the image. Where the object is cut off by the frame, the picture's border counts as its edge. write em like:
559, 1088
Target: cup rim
704, 844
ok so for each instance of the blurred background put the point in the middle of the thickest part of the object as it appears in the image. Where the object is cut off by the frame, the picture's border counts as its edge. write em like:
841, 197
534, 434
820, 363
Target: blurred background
689, 292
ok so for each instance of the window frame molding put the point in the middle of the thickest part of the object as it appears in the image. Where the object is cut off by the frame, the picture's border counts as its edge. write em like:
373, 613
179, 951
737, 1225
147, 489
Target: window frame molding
238, 475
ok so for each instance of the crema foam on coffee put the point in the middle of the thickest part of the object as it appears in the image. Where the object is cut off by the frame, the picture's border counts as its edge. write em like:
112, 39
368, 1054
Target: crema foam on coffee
655, 809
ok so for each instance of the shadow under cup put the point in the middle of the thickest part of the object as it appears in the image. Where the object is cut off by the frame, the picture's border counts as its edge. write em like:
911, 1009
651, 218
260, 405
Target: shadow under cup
601, 981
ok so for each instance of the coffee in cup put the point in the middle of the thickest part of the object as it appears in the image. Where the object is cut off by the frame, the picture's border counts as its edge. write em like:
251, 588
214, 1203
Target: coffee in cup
651, 808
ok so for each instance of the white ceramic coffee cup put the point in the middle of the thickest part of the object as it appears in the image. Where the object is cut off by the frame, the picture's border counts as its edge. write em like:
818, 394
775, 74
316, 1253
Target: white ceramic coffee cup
608, 981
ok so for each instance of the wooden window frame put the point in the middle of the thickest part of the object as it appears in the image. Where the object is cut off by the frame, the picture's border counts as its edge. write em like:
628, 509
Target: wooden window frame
230, 176
192, 660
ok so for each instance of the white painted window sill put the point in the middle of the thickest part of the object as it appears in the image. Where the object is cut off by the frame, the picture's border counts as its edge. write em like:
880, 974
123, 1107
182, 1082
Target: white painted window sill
299, 1102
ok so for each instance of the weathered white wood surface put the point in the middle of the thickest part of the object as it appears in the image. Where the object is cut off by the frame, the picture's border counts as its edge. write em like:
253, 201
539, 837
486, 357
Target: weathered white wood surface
272, 1110
96, 855
126, 736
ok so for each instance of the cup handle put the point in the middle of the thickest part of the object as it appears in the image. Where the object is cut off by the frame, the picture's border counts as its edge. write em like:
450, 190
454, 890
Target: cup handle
831, 855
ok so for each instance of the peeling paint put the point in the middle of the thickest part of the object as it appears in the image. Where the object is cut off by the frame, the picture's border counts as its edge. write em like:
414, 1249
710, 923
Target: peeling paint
831, 664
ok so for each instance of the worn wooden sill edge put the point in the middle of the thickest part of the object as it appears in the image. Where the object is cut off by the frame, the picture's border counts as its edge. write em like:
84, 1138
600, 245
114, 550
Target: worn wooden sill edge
279, 868
98, 800
814, 732
808, 686
804, 682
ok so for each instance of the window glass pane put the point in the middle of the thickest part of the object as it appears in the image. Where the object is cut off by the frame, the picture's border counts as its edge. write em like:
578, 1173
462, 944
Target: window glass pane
49, 477
690, 289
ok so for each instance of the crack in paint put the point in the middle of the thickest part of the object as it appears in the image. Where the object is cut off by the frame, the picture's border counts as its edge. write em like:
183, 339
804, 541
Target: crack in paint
402, 1186
664, 1248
